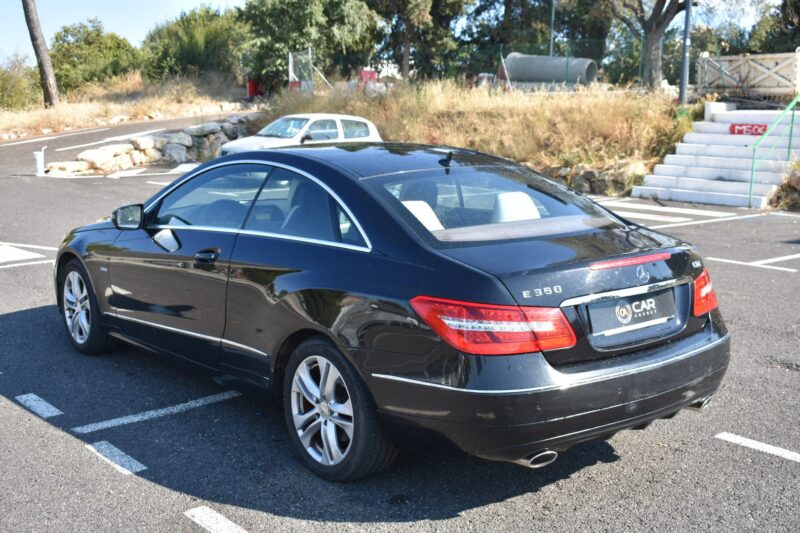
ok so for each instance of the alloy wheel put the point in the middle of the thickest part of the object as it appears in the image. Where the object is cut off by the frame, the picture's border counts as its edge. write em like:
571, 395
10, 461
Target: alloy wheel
77, 307
322, 410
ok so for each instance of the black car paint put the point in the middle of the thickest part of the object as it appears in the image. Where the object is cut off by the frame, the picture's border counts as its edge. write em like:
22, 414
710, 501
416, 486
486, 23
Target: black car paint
264, 295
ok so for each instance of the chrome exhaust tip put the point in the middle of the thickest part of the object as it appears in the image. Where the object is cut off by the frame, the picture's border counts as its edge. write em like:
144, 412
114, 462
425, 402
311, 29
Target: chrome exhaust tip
541, 459
700, 404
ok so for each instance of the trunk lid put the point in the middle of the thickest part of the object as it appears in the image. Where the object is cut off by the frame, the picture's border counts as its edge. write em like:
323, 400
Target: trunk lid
613, 310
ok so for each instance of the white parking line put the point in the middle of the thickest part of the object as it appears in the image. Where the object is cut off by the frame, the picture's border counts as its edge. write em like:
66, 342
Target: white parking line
743, 263
212, 521
51, 137
649, 216
760, 446
666, 209
120, 460
776, 259
110, 139
156, 413
159, 183
695, 222
30, 263
38, 405
33, 246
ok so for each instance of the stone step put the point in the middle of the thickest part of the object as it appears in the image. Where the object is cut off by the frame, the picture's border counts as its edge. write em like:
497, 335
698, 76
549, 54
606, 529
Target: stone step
740, 152
698, 197
724, 139
773, 178
695, 184
754, 117
723, 128
724, 162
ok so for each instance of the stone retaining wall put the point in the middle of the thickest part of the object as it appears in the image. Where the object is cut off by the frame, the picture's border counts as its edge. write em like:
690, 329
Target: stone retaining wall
201, 142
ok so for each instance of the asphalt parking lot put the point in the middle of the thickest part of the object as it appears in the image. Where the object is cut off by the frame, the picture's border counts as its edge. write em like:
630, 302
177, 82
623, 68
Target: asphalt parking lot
126, 441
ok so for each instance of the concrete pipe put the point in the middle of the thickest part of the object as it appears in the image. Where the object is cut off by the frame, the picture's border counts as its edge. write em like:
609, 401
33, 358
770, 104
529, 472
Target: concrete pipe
550, 69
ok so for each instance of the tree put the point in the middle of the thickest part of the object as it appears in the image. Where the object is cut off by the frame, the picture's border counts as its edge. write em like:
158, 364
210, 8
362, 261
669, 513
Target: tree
19, 84
422, 33
341, 33
621, 63
650, 28
200, 40
585, 24
405, 18
778, 30
49, 87
84, 53
497, 27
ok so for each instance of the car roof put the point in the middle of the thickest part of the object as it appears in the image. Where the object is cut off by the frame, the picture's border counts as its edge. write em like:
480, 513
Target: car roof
368, 160
315, 116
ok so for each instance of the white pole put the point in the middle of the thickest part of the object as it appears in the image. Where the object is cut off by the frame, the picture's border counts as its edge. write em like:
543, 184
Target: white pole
38, 158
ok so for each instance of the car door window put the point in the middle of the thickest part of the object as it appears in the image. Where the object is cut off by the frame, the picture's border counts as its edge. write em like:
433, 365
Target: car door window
219, 198
323, 130
295, 206
355, 129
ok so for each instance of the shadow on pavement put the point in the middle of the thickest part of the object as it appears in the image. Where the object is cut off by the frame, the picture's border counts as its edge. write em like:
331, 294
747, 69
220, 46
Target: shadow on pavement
237, 452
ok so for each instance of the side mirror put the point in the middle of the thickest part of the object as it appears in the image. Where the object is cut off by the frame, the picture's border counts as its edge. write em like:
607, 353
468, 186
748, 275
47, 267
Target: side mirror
306, 137
128, 217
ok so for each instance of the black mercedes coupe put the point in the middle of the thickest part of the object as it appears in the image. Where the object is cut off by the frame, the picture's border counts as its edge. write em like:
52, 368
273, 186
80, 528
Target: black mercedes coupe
387, 290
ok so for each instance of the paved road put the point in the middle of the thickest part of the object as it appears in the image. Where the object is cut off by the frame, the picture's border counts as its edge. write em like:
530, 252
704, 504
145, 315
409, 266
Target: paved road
227, 460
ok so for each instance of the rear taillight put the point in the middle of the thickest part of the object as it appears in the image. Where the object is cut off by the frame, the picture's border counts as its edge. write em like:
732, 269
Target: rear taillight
486, 329
704, 297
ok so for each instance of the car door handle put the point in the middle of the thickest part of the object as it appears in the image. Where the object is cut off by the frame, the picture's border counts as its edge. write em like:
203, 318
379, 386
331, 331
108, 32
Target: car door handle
207, 256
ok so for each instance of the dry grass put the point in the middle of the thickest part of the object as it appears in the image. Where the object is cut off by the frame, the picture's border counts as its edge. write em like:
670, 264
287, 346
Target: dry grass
131, 97
541, 129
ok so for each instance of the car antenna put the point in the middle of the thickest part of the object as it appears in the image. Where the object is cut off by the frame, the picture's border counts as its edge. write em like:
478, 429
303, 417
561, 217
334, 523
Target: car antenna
448, 160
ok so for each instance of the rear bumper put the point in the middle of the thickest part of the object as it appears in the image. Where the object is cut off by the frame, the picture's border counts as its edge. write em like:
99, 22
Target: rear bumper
560, 407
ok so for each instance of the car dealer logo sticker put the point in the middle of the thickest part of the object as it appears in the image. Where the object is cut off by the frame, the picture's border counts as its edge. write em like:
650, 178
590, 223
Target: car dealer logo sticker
624, 313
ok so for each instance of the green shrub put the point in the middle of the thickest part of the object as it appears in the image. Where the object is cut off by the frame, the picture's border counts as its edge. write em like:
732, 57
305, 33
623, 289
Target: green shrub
84, 52
198, 41
19, 84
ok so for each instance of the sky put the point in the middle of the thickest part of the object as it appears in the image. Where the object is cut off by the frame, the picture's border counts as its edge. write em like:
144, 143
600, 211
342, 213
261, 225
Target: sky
131, 19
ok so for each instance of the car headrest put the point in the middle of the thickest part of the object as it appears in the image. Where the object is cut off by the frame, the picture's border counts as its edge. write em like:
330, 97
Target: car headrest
514, 206
424, 213
308, 193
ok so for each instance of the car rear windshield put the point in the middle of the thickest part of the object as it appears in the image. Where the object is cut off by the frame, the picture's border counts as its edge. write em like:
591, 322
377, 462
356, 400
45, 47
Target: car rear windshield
487, 204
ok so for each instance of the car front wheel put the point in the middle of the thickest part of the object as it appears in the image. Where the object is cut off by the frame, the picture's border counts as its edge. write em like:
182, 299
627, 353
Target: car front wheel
330, 415
80, 311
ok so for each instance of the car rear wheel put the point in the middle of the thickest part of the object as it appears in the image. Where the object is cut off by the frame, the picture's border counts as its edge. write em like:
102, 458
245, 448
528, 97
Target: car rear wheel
330, 415
80, 310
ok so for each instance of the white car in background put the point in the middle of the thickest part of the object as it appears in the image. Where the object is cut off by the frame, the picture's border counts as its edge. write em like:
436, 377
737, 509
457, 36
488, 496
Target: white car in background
310, 128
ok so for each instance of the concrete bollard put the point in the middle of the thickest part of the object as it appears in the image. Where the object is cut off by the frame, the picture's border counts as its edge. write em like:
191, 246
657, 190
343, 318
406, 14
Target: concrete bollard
38, 158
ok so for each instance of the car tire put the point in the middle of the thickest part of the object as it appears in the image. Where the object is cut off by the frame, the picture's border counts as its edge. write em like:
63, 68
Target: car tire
317, 420
80, 310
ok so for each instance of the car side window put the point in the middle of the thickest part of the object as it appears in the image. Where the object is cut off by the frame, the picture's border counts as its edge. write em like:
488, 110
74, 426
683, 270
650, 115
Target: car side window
219, 198
355, 129
293, 205
322, 130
